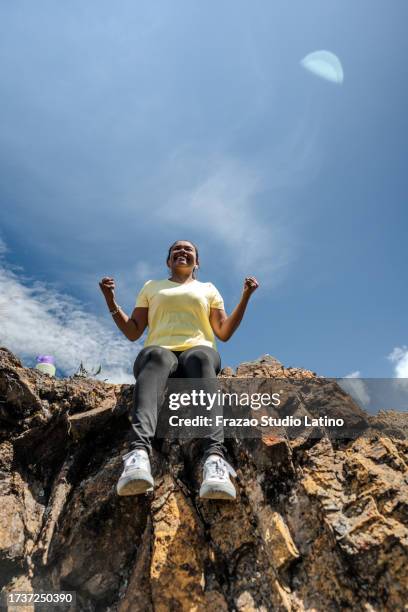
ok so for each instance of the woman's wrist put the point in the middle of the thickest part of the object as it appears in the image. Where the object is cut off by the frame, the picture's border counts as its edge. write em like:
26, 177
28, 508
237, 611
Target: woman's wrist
115, 310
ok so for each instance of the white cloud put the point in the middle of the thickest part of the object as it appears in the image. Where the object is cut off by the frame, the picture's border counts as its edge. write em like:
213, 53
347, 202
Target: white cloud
355, 374
144, 270
37, 319
399, 357
221, 207
355, 387
130, 280
3, 247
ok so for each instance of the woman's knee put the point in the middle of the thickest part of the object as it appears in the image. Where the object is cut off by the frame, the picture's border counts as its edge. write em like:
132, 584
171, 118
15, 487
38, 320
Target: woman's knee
205, 355
158, 355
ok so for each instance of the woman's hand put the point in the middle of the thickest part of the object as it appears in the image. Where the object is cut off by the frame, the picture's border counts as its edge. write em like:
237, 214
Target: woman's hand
223, 326
107, 285
250, 285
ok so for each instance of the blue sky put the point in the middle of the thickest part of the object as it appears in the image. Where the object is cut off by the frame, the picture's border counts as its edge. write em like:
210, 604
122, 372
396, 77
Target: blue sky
125, 127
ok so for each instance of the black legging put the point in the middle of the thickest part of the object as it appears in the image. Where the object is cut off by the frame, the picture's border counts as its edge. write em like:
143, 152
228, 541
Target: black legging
152, 367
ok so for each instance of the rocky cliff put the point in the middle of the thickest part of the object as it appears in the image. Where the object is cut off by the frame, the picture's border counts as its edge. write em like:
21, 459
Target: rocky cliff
320, 523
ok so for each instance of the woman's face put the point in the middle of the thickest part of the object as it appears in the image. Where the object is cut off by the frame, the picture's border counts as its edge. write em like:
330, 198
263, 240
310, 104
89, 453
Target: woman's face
182, 255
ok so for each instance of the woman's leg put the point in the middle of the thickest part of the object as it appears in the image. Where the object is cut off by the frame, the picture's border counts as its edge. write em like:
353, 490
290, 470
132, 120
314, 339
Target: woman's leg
152, 367
205, 362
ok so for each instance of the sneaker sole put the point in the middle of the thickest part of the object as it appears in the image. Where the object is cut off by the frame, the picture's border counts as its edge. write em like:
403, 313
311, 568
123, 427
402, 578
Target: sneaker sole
134, 485
211, 491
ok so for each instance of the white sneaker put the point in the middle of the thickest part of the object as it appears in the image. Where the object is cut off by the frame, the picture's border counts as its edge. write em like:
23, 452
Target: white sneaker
136, 477
216, 481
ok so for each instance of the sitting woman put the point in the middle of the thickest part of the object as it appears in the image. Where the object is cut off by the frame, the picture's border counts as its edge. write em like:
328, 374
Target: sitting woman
182, 315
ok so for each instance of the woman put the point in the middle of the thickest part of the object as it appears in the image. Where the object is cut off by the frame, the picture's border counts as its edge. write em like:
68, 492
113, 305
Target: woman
182, 315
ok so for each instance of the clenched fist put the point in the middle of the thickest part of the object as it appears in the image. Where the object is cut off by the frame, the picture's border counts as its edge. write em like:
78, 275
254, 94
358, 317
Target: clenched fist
107, 285
250, 285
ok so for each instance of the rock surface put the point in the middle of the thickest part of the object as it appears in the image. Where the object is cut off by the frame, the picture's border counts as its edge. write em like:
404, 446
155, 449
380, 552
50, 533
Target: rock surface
320, 523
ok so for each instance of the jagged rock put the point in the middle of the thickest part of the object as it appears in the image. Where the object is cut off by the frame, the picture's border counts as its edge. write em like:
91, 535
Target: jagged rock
320, 522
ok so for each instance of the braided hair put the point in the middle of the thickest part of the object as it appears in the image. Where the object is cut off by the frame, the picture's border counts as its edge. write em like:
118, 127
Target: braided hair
196, 250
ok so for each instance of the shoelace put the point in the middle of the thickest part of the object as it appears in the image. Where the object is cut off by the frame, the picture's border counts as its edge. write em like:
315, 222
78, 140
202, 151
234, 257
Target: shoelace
220, 467
134, 458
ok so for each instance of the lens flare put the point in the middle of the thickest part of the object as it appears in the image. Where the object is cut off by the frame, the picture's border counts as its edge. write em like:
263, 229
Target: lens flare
325, 65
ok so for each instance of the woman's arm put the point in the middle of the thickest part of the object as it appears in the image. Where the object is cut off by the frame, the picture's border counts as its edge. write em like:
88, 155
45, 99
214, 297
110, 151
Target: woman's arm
224, 326
132, 327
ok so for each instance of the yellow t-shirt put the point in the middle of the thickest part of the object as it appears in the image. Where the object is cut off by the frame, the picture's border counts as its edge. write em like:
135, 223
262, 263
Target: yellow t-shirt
178, 316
